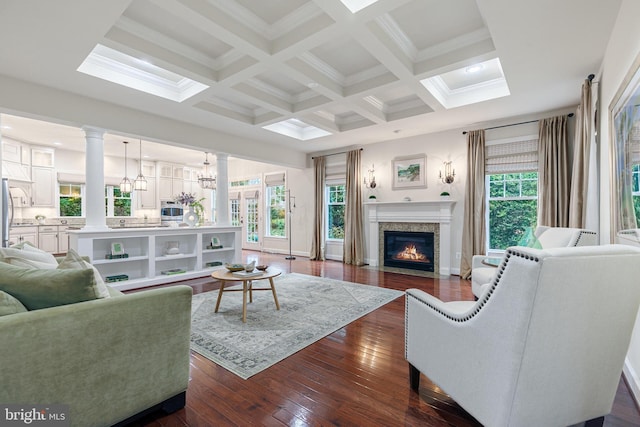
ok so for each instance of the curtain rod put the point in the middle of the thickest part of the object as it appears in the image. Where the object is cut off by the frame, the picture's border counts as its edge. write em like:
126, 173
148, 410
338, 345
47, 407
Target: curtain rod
335, 154
514, 124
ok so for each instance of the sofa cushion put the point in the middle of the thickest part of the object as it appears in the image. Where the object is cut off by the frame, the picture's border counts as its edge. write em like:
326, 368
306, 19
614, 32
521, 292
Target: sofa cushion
27, 255
39, 288
74, 261
10, 305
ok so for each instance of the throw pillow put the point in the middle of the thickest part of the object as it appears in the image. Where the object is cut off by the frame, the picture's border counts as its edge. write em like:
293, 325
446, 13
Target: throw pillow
10, 305
39, 288
26, 255
73, 260
529, 239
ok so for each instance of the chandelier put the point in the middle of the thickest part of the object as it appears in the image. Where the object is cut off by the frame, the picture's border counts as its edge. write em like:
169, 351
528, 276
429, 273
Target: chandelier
125, 184
205, 179
140, 183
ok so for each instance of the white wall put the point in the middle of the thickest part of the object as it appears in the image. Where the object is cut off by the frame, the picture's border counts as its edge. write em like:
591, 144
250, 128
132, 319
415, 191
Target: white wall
300, 182
622, 50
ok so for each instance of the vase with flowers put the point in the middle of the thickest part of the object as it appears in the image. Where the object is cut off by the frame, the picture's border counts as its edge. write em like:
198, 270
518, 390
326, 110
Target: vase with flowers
193, 204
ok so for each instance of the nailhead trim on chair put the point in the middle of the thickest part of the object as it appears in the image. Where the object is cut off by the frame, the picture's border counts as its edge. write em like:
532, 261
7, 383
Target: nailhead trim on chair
582, 233
485, 298
487, 295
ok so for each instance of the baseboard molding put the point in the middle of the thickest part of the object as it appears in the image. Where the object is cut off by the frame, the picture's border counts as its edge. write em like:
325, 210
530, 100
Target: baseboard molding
633, 380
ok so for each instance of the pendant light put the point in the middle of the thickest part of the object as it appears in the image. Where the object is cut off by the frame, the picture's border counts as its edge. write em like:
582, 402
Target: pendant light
140, 183
125, 184
205, 179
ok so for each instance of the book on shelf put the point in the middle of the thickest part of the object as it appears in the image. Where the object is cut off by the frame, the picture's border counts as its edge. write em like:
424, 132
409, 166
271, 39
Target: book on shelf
116, 278
116, 256
247, 273
174, 271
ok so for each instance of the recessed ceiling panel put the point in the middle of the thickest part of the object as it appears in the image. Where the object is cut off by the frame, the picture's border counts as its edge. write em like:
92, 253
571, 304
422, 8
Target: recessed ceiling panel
430, 22
271, 11
345, 56
173, 27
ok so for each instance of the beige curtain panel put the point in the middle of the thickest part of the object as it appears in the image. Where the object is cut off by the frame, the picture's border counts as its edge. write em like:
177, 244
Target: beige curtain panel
581, 153
317, 239
553, 173
353, 217
473, 227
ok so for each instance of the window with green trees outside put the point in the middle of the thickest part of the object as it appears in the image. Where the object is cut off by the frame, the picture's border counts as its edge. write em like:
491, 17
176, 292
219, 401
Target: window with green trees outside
513, 207
335, 211
70, 199
277, 211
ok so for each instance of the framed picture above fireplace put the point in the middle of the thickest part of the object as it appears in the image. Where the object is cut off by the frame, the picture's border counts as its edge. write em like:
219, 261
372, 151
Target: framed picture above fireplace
409, 172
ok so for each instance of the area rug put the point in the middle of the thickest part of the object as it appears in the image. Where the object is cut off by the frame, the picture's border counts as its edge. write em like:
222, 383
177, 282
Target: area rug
310, 309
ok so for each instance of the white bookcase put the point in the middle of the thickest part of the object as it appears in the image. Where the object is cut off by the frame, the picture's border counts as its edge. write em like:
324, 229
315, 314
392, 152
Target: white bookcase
148, 263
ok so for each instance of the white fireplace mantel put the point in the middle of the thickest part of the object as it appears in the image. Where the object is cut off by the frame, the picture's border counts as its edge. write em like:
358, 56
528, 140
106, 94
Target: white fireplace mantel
436, 211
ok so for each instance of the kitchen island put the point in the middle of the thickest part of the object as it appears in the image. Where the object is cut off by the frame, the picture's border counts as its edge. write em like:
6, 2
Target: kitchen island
130, 258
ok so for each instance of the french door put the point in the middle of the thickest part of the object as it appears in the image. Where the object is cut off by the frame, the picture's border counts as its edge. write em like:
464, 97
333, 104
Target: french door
250, 209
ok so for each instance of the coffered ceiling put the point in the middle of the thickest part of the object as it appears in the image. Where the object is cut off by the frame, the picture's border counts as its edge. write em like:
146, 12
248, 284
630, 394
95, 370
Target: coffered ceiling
299, 76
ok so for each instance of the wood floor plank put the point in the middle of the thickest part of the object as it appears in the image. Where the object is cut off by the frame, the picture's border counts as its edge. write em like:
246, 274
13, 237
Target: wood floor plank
355, 376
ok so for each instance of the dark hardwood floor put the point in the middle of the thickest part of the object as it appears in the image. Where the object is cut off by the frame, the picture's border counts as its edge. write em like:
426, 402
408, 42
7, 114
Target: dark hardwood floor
356, 376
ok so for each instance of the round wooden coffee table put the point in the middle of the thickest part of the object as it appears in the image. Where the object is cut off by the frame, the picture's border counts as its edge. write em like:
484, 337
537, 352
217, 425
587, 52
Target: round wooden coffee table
247, 286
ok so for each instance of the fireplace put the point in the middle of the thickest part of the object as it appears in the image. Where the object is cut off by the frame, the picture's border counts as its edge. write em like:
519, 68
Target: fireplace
409, 249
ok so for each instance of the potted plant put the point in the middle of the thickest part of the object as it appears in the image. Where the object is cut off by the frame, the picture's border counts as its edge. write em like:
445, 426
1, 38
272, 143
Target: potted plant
372, 198
445, 195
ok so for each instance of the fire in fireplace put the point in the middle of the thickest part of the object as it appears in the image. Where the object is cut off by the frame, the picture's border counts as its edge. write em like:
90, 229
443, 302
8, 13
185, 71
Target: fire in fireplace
409, 249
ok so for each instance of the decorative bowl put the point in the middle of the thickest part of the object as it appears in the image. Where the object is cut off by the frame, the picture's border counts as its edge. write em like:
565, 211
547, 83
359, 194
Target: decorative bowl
262, 267
234, 267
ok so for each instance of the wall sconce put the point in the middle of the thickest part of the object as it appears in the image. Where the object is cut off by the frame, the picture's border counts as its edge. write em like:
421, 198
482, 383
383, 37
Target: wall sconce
449, 173
371, 181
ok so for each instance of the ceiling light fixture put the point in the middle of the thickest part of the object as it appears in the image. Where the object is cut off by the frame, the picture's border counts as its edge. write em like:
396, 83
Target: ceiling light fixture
125, 184
140, 183
205, 179
474, 68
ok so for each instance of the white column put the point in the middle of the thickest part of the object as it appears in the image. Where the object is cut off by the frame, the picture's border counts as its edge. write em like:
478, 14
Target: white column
222, 190
96, 218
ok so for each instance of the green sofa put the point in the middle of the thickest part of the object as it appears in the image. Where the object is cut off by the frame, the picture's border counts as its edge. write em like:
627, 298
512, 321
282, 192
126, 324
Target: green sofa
109, 359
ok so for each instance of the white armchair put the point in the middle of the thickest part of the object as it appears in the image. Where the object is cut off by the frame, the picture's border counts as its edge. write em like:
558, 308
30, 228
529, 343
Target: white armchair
547, 237
544, 346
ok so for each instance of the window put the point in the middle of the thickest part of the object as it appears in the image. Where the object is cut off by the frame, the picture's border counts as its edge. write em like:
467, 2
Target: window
335, 211
117, 203
513, 207
235, 212
277, 212
70, 199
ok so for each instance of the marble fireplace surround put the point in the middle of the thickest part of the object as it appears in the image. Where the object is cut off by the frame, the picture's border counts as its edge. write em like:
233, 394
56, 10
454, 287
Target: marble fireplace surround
433, 216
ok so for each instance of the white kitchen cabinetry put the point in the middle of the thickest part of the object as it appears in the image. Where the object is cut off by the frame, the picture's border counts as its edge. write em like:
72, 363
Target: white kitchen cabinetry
53, 238
170, 181
43, 187
148, 262
42, 157
23, 234
148, 199
48, 238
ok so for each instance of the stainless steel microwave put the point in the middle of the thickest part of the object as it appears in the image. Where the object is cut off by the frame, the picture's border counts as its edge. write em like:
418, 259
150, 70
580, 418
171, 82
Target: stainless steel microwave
171, 211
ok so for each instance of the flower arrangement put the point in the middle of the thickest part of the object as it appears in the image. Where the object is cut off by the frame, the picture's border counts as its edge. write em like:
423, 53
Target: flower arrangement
189, 199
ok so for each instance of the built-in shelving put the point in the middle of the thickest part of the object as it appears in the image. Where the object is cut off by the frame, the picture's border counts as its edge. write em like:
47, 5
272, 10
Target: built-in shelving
147, 252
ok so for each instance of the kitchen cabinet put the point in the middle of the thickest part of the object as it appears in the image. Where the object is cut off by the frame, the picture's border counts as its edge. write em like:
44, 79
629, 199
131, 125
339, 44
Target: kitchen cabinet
63, 239
53, 238
170, 181
148, 199
43, 188
42, 157
23, 234
48, 238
